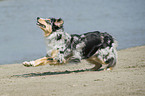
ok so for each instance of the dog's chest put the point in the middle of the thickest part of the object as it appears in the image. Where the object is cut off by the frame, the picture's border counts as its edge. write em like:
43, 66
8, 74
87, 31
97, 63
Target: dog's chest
57, 40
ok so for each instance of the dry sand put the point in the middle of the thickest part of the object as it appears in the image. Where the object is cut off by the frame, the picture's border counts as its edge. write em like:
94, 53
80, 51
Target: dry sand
127, 78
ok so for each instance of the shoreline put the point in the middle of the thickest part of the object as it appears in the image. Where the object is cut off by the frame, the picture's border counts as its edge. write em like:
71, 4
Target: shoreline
117, 50
126, 79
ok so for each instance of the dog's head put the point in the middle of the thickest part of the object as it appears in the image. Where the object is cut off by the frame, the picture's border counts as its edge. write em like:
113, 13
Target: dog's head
50, 25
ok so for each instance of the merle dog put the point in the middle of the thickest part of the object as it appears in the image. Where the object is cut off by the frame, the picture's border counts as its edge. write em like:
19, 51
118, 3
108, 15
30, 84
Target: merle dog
95, 47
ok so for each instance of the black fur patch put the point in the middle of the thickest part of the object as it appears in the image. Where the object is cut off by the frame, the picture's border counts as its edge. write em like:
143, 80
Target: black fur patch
50, 59
75, 39
58, 36
108, 40
54, 27
93, 41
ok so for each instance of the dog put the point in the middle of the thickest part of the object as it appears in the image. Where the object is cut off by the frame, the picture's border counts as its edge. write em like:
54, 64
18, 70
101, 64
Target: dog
95, 47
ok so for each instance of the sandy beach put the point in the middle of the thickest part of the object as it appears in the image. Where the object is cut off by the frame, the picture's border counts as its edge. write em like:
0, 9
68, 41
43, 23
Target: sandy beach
126, 79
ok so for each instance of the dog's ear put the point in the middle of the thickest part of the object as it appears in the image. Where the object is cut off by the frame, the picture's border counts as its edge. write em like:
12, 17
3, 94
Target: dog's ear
59, 22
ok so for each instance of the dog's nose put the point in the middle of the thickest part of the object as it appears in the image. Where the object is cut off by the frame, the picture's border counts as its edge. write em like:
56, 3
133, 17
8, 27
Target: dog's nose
38, 18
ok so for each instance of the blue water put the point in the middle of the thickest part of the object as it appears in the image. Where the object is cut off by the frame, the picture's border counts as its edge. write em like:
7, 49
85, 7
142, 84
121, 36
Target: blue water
21, 39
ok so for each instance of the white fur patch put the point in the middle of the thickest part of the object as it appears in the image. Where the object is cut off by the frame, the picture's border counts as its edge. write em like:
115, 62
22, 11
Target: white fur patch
53, 44
107, 53
78, 52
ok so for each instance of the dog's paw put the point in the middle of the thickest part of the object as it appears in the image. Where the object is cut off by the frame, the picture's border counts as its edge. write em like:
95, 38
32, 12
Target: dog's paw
28, 64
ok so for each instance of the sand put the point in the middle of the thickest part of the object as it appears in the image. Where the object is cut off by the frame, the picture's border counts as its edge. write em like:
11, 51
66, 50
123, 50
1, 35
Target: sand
126, 79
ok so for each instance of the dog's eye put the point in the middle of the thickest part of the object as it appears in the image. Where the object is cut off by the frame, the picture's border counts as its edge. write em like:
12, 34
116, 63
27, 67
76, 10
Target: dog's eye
48, 21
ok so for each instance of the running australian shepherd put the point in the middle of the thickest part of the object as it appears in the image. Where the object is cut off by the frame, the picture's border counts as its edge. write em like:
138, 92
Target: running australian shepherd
95, 47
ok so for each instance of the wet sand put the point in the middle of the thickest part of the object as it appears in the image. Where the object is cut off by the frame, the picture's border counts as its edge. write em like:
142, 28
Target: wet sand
127, 78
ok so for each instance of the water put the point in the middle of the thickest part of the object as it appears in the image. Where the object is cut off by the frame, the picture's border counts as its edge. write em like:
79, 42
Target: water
21, 39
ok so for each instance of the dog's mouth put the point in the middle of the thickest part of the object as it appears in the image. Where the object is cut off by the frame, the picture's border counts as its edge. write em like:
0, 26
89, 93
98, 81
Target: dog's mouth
40, 24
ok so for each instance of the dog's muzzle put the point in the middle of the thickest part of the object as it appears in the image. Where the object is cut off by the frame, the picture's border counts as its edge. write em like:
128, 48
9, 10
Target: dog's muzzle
39, 24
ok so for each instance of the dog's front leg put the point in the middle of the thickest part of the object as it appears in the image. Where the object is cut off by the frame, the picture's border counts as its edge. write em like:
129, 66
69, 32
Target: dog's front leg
55, 59
43, 61
38, 62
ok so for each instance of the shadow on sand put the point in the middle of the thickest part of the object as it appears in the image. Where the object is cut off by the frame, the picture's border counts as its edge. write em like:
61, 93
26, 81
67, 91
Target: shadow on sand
52, 73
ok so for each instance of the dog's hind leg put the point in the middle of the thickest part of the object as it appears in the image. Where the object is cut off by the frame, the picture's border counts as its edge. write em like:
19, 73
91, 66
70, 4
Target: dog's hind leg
94, 60
96, 67
111, 63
